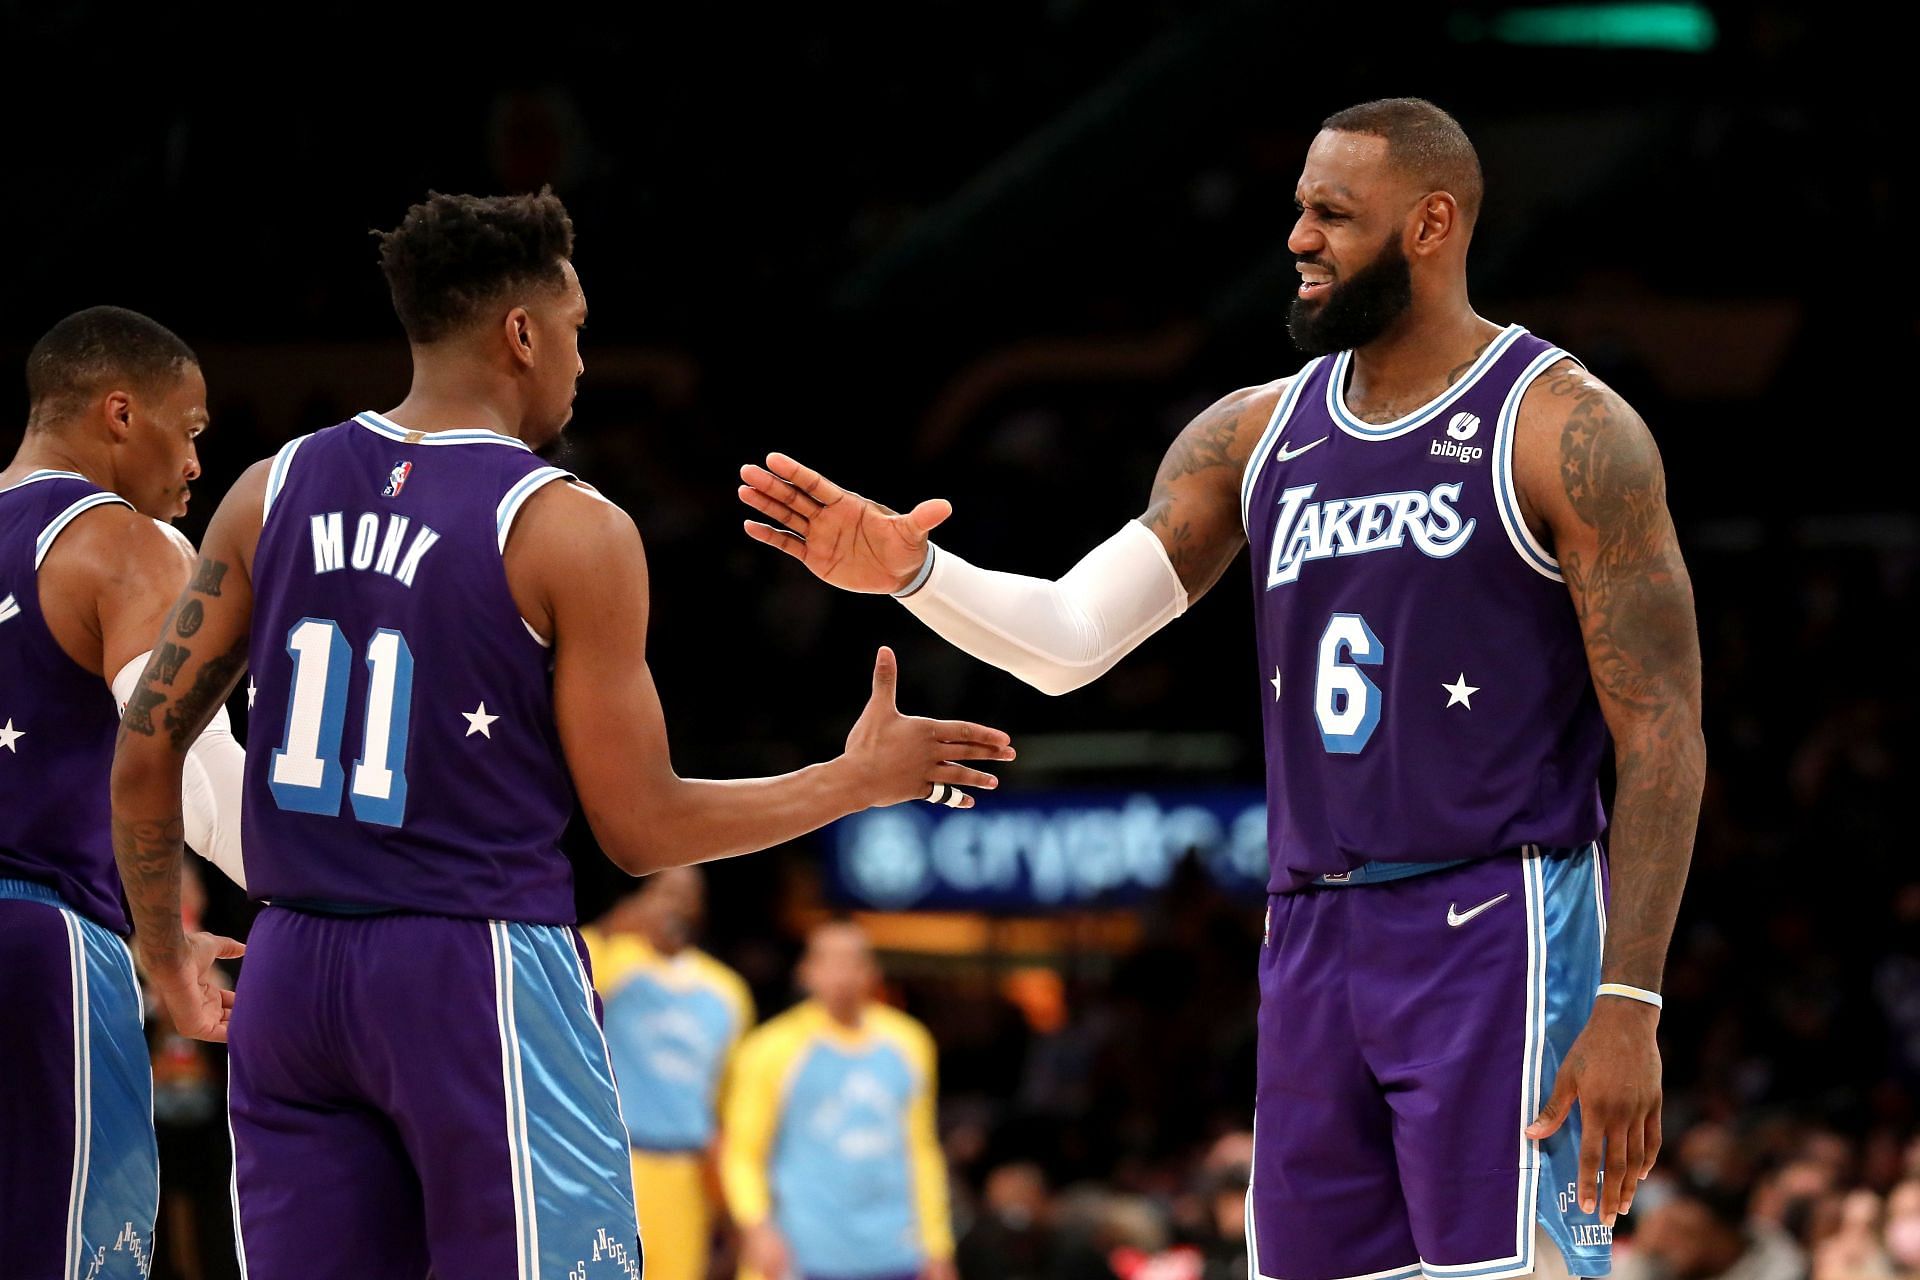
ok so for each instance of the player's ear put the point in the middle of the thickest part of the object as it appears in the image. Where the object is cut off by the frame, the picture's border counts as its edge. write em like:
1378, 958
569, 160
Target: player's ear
519, 334
1435, 219
118, 406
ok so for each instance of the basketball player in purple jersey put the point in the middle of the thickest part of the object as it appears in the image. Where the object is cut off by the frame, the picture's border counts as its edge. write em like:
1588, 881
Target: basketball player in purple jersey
1465, 576
88, 569
447, 641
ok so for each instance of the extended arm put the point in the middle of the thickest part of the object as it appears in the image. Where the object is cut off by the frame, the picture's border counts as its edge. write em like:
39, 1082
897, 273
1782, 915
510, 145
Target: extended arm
1055, 634
200, 655
613, 729
1590, 475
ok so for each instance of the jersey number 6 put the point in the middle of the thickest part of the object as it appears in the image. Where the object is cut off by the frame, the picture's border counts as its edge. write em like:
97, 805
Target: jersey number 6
1345, 702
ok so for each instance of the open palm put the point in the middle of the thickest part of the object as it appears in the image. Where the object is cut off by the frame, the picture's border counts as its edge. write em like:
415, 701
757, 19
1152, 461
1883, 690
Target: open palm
849, 541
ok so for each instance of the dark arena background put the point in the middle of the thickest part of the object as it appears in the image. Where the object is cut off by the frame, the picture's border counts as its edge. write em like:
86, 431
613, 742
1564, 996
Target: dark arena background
1000, 253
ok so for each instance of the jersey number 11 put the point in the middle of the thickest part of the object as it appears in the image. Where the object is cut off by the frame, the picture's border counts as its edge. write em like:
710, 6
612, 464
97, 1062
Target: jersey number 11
306, 773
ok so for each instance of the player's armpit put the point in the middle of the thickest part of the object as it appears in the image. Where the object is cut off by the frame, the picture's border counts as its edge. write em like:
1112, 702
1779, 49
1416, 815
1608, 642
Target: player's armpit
1195, 505
1589, 472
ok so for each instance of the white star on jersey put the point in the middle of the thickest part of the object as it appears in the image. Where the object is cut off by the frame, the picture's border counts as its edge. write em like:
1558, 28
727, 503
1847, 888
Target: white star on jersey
1275, 682
1460, 692
11, 735
480, 722
250, 693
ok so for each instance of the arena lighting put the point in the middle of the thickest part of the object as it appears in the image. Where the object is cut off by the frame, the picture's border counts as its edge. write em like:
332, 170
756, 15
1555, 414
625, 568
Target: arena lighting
1680, 28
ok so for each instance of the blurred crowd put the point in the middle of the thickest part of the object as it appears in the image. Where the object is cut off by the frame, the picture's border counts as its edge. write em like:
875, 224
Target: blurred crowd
1005, 270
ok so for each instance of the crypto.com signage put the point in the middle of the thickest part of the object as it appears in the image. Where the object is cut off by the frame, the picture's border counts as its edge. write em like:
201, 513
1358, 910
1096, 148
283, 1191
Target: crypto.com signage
1043, 850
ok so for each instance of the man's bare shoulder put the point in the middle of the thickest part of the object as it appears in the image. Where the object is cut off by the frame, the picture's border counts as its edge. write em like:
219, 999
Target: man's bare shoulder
571, 549
110, 542
1225, 433
570, 515
1575, 438
1215, 446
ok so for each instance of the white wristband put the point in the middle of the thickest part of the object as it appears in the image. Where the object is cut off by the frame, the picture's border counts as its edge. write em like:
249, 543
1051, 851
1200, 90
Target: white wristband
1641, 994
920, 578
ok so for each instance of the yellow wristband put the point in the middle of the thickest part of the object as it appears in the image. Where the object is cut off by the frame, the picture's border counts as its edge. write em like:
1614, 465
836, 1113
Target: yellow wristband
1641, 994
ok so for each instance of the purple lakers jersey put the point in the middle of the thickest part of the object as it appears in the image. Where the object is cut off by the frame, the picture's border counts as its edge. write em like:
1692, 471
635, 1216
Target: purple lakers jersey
401, 753
1424, 685
57, 721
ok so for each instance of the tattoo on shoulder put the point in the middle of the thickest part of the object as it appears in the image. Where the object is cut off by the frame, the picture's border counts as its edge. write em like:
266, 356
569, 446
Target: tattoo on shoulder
192, 710
1607, 467
1631, 592
206, 578
1208, 442
1199, 539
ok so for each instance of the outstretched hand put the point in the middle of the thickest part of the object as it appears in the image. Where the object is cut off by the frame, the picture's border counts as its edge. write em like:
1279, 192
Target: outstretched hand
196, 998
1613, 1071
848, 541
898, 757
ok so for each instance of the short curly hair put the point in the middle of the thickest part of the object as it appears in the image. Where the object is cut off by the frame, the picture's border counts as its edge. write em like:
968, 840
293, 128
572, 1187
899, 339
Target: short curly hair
1423, 142
451, 255
81, 355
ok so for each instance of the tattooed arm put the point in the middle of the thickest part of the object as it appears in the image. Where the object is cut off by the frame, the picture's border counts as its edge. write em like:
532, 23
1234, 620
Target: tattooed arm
856, 544
197, 659
1591, 482
1055, 634
1195, 505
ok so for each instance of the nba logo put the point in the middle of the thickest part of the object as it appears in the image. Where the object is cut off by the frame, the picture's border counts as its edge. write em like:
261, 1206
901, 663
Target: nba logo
397, 479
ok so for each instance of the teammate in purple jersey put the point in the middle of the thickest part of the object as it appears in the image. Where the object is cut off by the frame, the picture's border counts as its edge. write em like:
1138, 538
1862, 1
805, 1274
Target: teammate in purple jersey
447, 642
88, 569
1468, 590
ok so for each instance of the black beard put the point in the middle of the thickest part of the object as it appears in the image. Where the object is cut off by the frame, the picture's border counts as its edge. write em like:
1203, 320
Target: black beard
1355, 313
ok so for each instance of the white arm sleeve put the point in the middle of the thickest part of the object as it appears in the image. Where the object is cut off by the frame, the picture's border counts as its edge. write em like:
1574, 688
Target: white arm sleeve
1058, 635
209, 783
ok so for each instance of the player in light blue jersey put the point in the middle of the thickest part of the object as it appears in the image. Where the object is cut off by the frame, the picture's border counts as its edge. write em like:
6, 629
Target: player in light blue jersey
831, 1156
674, 1016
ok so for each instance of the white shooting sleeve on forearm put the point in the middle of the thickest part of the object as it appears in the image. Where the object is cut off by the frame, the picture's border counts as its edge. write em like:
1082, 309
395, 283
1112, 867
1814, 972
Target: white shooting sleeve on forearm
210, 783
1057, 635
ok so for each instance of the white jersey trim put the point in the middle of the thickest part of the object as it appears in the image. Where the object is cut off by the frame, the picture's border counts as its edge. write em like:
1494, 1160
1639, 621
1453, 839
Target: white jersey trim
392, 430
512, 1082
517, 496
277, 474
1257, 460
1505, 494
44, 543
1345, 420
35, 477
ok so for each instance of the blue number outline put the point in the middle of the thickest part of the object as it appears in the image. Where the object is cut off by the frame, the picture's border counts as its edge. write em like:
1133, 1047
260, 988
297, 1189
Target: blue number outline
1355, 741
391, 811
323, 798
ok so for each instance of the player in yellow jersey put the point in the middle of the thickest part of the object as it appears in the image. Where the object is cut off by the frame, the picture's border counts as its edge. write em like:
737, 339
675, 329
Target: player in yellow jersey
674, 1016
829, 1151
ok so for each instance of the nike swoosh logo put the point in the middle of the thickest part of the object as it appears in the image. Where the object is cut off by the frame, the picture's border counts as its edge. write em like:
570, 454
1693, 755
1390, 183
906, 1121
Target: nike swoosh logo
1456, 918
1284, 454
